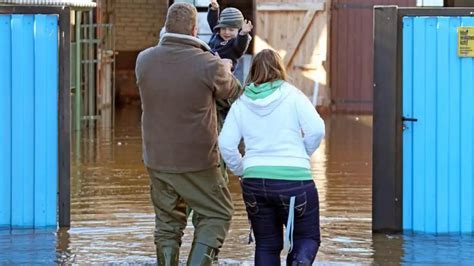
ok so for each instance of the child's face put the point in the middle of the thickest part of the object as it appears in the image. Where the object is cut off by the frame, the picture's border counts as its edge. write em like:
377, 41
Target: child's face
228, 33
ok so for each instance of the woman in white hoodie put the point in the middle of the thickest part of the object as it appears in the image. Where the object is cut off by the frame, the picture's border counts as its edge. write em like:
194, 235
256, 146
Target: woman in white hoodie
281, 129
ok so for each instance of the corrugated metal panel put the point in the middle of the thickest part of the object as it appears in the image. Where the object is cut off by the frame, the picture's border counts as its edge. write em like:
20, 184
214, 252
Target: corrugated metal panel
5, 120
22, 119
351, 75
46, 123
29, 104
438, 150
73, 3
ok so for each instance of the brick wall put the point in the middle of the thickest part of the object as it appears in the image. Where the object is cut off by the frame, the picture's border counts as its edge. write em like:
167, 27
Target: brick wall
138, 23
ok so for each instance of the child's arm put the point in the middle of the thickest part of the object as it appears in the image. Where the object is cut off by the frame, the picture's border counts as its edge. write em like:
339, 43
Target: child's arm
213, 14
243, 38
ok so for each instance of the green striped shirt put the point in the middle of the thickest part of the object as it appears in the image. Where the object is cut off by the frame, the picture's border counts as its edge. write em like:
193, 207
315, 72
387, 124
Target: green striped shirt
278, 172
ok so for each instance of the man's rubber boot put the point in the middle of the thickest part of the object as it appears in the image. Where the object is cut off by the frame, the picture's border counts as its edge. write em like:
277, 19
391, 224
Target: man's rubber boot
201, 255
167, 256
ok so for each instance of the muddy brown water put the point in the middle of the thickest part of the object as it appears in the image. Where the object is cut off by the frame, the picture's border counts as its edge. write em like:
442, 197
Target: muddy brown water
112, 218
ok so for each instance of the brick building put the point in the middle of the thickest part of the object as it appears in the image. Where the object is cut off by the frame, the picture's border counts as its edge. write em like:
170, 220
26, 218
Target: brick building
137, 24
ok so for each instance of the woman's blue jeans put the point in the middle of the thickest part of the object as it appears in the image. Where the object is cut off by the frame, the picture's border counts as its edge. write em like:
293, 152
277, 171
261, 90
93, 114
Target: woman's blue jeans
267, 202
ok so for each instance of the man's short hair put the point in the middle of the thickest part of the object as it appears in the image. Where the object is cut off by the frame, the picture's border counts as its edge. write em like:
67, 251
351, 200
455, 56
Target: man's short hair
181, 18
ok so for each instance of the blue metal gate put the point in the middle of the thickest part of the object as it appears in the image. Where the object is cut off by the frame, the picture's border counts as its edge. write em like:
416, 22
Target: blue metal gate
28, 120
438, 150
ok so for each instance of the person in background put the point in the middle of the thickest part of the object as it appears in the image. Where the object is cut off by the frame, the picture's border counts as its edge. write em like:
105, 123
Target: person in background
281, 130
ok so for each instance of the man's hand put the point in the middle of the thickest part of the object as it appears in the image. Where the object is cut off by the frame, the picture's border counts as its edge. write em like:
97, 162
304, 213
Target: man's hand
246, 28
214, 5
227, 64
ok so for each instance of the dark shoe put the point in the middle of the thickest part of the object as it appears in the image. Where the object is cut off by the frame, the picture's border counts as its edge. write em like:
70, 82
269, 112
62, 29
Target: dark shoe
304, 256
301, 263
201, 255
167, 256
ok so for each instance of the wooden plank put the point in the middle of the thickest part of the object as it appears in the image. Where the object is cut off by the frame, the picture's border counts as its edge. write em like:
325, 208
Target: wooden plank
310, 52
291, 6
307, 67
295, 42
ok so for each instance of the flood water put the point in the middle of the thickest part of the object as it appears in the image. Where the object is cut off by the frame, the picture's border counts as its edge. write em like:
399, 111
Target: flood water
112, 218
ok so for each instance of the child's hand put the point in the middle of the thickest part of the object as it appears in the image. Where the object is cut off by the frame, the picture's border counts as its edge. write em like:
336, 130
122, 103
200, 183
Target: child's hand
246, 28
214, 5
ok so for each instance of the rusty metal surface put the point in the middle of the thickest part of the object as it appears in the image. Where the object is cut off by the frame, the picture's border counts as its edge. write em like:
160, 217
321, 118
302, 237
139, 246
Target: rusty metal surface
351, 53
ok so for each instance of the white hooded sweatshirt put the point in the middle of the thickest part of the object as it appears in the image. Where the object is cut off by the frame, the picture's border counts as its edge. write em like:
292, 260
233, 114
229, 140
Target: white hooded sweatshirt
282, 129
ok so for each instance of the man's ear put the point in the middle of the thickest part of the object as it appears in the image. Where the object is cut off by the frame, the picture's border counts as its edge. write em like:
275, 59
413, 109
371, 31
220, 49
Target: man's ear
195, 31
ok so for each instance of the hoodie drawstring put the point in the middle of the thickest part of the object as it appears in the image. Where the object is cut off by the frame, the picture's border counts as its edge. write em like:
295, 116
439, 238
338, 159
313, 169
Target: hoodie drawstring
290, 225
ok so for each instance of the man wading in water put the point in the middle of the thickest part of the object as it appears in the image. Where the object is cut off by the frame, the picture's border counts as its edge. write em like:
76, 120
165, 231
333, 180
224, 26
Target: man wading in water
179, 82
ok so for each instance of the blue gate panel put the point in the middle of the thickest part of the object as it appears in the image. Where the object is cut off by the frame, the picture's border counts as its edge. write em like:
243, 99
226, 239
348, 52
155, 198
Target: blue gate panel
407, 135
5, 120
442, 147
438, 150
467, 135
29, 120
22, 120
419, 167
46, 119
454, 69
430, 127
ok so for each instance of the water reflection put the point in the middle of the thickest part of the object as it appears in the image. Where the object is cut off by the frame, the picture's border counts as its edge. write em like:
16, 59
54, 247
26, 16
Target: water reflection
112, 218
443, 249
25, 246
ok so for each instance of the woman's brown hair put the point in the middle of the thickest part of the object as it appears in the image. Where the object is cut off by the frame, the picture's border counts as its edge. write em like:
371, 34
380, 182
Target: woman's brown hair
266, 66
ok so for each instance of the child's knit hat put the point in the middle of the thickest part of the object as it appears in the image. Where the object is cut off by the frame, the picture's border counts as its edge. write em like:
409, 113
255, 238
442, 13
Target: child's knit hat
231, 18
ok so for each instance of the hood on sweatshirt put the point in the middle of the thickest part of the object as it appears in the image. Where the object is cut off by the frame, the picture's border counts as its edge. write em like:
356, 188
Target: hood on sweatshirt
264, 98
